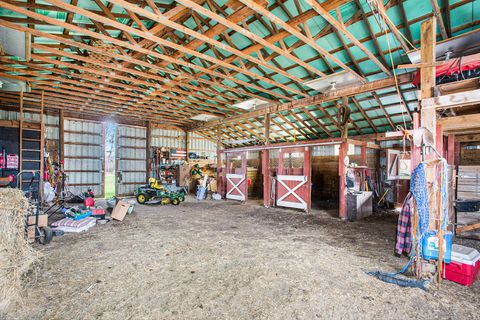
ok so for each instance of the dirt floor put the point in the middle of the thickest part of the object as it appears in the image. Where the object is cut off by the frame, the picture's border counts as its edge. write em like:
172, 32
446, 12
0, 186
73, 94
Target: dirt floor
226, 260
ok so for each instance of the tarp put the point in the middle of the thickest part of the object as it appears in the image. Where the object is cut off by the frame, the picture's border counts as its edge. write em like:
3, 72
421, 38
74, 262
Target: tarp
453, 66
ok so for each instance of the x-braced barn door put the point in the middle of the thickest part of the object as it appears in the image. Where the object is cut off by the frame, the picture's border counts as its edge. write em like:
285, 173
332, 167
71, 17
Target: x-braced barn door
237, 188
84, 154
131, 159
293, 178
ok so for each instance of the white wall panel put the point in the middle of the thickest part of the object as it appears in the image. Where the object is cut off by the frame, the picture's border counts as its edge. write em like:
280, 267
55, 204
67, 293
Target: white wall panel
167, 138
83, 151
131, 159
201, 146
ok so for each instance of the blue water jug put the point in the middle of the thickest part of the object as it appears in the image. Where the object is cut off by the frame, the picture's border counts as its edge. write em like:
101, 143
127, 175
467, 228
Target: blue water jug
430, 246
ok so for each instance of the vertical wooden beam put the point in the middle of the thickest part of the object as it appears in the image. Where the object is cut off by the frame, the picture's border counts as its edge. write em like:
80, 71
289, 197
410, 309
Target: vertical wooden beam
267, 129
416, 156
342, 211
42, 144
438, 14
451, 150
187, 142
457, 154
439, 138
28, 47
267, 182
20, 134
219, 173
344, 128
307, 168
363, 155
148, 147
219, 164
61, 143
427, 76
104, 158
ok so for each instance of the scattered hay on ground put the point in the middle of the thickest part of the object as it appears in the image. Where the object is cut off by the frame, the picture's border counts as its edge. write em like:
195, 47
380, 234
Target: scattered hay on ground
16, 255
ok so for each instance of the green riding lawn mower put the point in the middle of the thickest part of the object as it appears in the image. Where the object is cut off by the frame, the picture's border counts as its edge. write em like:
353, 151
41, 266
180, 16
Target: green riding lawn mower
154, 193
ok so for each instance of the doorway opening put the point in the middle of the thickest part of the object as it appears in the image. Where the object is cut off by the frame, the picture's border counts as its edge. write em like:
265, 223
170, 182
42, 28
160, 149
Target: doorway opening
110, 147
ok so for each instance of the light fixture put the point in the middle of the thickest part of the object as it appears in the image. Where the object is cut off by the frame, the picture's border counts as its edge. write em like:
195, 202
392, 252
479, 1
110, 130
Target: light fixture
332, 82
250, 104
463, 45
13, 42
13, 85
204, 117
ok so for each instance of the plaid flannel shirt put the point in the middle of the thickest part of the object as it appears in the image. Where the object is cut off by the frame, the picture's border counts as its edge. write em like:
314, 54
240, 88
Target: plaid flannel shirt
404, 227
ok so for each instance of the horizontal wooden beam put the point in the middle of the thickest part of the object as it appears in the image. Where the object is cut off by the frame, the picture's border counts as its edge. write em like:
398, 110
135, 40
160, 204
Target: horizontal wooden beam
466, 122
314, 100
454, 100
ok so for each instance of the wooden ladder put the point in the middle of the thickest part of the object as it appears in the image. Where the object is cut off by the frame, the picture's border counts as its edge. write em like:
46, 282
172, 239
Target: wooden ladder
31, 145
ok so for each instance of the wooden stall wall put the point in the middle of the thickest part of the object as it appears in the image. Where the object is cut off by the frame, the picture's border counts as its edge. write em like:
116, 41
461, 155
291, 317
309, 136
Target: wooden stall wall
325, 179
470, 154
254, 174
468, 188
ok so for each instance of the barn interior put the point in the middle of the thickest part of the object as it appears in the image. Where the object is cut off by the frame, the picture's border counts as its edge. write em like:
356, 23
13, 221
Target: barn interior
207, 159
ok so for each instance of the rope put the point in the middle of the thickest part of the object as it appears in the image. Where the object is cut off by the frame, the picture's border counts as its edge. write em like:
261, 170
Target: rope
397, 87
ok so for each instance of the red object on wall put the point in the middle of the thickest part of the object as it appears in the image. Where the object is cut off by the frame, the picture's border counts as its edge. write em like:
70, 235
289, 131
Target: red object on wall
453, 66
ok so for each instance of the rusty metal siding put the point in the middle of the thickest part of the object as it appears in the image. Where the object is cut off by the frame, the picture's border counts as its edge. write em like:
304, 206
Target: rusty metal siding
84, 154
131, 159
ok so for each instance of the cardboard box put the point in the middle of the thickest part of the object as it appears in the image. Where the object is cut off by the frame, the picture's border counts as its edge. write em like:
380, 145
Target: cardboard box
31, 234
42, 220
120, 210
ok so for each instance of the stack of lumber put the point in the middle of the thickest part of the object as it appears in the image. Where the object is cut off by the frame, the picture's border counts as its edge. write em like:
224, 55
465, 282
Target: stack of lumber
468, 184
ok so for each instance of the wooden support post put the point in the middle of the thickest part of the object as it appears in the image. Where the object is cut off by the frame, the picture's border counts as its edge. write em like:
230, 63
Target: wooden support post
416, 156
342, 212
363, 155
42, 144
20, 142
457, 154
148, 146
187, 142
219, 164
451, 150
344, 127
61, 143
267, 180
219, 173
439, 138
267, 129
307, 167
427, 74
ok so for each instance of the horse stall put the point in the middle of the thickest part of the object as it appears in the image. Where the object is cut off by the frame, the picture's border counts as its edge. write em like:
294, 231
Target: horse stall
325, 178
236, 176
254, 175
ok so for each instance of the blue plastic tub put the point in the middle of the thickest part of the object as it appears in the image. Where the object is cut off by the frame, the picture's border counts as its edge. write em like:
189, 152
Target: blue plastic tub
430, 246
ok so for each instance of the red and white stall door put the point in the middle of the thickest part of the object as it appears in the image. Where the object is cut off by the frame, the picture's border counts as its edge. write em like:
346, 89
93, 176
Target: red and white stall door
294, 178
236, 176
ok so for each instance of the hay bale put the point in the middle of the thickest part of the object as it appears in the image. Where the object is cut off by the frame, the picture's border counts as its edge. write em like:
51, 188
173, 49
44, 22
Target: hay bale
16, 254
